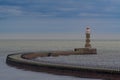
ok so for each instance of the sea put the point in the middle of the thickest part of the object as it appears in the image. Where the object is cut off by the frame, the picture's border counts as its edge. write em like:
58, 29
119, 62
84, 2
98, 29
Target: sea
10, 46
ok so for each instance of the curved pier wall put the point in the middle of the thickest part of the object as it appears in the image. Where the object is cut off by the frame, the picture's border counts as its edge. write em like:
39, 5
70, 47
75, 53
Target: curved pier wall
77, 51
19, 62
47, 54
33, 55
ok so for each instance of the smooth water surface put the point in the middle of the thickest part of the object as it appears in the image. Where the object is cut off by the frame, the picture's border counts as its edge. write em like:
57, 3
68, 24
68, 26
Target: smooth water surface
15, 46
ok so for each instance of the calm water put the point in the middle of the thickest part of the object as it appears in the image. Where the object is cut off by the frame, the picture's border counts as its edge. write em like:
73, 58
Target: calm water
104, 47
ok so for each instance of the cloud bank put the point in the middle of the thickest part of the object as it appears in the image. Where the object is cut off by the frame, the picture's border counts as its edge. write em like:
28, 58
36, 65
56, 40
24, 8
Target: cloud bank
59, 16
61, 8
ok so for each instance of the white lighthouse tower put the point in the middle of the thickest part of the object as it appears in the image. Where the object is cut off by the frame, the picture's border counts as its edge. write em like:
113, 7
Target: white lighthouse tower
87, 49
87, 44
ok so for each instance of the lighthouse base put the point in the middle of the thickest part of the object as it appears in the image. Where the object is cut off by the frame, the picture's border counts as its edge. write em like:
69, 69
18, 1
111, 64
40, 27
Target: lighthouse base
86, 50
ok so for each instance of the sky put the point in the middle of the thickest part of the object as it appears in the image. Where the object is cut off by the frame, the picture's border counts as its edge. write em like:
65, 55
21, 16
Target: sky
59, 18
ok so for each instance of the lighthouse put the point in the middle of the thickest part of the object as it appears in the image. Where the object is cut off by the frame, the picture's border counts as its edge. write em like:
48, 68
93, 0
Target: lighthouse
87, 49
87, 44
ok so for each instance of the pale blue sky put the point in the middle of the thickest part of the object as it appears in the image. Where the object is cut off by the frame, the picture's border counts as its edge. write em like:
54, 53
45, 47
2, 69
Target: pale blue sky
59, 18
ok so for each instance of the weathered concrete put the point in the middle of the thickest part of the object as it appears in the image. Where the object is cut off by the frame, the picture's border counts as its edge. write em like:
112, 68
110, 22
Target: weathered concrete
86, 50
25, 61
77, 51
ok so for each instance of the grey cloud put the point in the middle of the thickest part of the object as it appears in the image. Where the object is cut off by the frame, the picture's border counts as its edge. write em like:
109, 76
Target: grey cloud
60, 8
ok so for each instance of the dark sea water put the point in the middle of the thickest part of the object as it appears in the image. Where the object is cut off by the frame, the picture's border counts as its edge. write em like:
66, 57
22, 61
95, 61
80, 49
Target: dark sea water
105, 47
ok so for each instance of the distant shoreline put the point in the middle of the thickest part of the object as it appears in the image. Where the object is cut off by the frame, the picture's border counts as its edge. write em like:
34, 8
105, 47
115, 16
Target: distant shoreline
62, 39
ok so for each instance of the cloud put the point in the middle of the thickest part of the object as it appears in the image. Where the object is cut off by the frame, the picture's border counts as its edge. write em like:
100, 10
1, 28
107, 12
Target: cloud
60, 8
6, 11
59, 16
